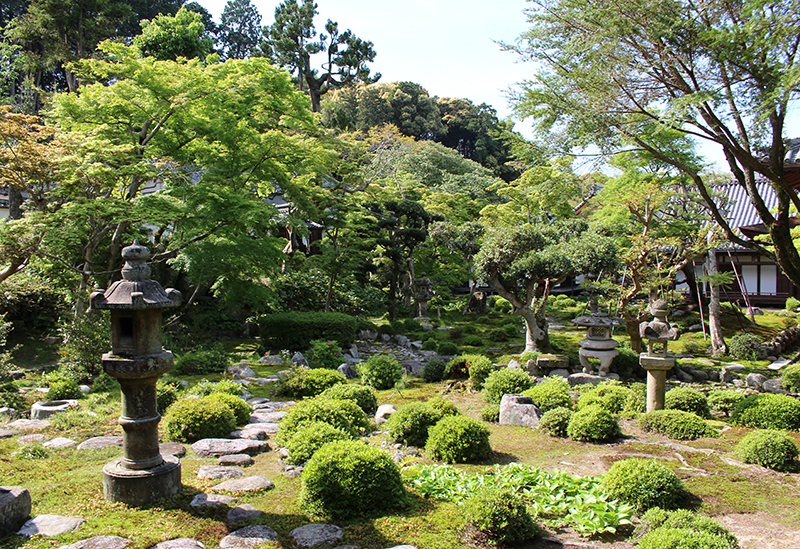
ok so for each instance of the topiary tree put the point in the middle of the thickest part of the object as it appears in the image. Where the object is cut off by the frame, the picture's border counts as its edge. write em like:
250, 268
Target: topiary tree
410, 424
458, 439
380, 371
724, 400
688, 400
499, 513
593, 424
443, 406
241, 409
504, 382
643, 483
768, 448
657, 518
609, 396
552, 392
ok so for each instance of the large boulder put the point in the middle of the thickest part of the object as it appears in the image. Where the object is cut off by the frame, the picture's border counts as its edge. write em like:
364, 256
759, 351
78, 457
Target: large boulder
15, 508
519, 410
241, 371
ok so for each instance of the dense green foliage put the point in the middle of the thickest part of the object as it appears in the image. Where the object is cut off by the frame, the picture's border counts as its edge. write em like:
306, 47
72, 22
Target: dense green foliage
193, 419
444, 406
643, 483
342, 414
296, 330
434, 368
768, 411
363, 395
326, 354
411, 423
241, 409
500, 514
744, 346
479, 367
768, 448
687, 400
790, 379
606, 395
676, 424
200, 362
555, 421
724, 400
593, 424
304, 382
458, 439
310, 437
491, 413
657, 518
380, 371
552, 392
506, 381
62, 389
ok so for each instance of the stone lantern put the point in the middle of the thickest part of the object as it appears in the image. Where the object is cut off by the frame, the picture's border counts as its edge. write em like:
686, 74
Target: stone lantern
658, 333
598, 342
137, 360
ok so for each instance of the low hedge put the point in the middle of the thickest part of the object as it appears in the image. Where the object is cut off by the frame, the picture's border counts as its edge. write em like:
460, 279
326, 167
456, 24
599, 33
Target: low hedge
768, 411
676, 424
296, 330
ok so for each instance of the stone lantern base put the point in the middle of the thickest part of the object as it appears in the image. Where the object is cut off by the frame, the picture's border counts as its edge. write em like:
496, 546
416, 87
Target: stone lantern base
138, 487
657, 368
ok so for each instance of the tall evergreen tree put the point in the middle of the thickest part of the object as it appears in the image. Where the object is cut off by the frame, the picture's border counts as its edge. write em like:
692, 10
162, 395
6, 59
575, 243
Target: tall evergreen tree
239, 31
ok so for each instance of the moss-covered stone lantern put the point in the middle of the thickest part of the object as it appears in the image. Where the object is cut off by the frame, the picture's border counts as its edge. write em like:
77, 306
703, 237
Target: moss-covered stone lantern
137, 360
598, 342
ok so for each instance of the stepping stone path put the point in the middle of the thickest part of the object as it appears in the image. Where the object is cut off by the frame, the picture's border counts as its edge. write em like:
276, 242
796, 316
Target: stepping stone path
212, 500
98, 443
244, 512
218, 472
242, 460
249, 536
29, 424
215, 447
100, 542
50, 525
179, 543
316, 534
247, 484
60, 442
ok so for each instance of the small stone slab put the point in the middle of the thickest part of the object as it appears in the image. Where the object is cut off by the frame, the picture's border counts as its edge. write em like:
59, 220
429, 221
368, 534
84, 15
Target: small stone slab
278, 405
98, 443
172, 449
15, 508
60, 442
244, 512
50, 525
705, 361
267, 417
254, 483
778, 364
270, 359
179, 543
269, 428
384, 412
581, 379
255, 402
8, 433
249, 536
240, 460
215, 447
36, 438
316, 534
100, 542
29, 424
733, 366
241, 371
211, 500
250, 434
774, 386
218, 472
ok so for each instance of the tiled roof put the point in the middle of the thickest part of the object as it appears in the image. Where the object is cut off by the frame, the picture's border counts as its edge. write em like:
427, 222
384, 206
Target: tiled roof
738, 209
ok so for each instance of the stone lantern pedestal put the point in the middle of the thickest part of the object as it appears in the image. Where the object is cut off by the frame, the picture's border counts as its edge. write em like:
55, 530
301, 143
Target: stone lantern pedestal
137, 360
657, 361
598, 342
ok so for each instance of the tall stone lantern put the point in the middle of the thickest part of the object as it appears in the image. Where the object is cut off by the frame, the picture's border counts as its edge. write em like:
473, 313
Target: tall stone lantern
137, 360
657, 361
598, 342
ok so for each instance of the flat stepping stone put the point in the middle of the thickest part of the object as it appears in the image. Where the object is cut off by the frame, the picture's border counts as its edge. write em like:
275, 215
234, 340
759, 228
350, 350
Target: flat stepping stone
250, 434
29, 424
270, 428
8, 433
179, 543
247, 484
255, 402
316, 534
778, 364
267, 417
244, 512
99, 542
98, 443
249, 536
212, 500
733, 366
60, 442
50, 525
32, 439
172, 449
705, 361
217, 472
279, 405
241, 460
215, 447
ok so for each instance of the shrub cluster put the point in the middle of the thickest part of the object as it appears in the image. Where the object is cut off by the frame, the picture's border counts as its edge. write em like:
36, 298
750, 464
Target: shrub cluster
380, 371
552, 392
593, 424
724, 400
349, 477
430, 344
193, 419
363, 395
556, 421
434, 368
676, 424
62, 389
303, 382
167, 392
296, 330
744, 346
626, 363
343, 414
636, 403
443, 406
201, 361
501, 514
643, 483
662, 529
504, 382
768, 448
790, 380
241, 409
447, 348
479, 368
458, 439
410, 424
205, 388
687, 400
491, 413
326, 354
310, 437
609, 396
768, 411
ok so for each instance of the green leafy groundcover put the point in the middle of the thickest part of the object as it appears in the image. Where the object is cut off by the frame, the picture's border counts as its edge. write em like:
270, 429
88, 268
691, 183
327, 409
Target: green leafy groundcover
556, 499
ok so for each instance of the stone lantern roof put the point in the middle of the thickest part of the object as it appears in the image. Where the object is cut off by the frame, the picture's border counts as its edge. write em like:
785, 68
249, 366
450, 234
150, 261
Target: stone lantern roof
135, 290
596, 318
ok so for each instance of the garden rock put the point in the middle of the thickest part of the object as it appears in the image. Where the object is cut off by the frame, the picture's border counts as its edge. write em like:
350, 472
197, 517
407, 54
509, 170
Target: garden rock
211, 500
250, 434
403, 341
241, 371
242, 460
8, 433
179, 543
383, 413
278, 405
733, 366
29, 424
60, 442
8, 413
249, 536
172, 449
426, 327
267, 417
755, 380
347, 371
316, 534
85, 389
778, 364
367, 335
684, 376
298, 360
774, 386
50, 525
581, 379
248, 484
699, 375
561, 372
100, 542
98, 443
739, 383
15, 508
268, 428
412, 367
215, 447
270, 359
218, 472
403, 547
36, 438
244, 512
519, 410
514, 365
46, 408
726, 375
256, 402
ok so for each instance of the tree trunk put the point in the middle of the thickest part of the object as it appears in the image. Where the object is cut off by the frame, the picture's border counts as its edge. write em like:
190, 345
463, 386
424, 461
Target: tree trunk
14, 202
632, 329
718, 345
537, 338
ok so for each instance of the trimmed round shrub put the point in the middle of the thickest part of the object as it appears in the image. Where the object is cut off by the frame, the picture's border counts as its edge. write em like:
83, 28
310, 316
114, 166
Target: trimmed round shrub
410, 424
205, 388
380, 371
724, 400
744, 347
458, 439
479, 368
552, 392
501, 514
688, 400
491, 413
768, 411
473, 341
507, 381
386, 329
790, 380
349, 477
412, 325
657, 518
593, 424
683, 538
606, 395
636, 403
434, 369
63, 389
447, 348
767, 448
166, 394
241, 410
311, 437
302, 382
430, 344
192, 419
326, 354
343, 414
676, 424
363, 395
443, 406
643, 483
555, 421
